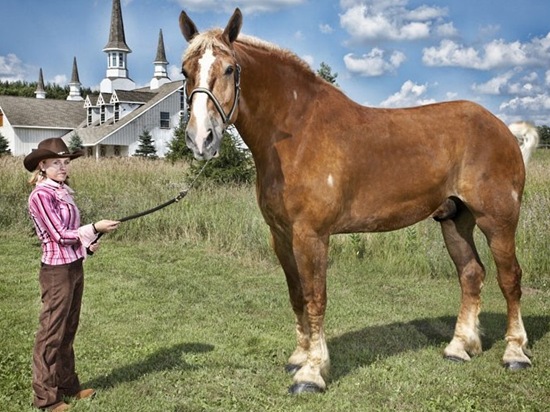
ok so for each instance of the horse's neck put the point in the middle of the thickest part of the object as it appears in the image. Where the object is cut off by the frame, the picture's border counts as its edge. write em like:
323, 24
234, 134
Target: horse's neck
274, 96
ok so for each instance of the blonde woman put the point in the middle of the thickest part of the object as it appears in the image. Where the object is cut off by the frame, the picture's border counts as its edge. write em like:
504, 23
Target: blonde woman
64, 242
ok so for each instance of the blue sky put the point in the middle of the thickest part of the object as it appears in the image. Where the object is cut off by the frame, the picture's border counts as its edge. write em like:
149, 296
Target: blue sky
387, 53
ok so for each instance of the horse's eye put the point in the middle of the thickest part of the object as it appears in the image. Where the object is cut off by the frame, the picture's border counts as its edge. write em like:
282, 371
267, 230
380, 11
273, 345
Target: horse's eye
229, 70
184, 73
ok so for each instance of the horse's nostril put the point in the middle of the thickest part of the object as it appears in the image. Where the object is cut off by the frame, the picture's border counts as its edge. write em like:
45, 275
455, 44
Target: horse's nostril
189, 141
209, 138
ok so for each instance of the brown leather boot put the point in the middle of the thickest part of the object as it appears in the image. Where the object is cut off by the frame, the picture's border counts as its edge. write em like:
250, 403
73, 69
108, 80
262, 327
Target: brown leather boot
59, 407
85, 393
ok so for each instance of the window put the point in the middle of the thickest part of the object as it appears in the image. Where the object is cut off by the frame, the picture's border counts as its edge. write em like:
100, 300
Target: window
102, 115
89, 121
113, 60
120, 60
182, 99
117, 112
165, 120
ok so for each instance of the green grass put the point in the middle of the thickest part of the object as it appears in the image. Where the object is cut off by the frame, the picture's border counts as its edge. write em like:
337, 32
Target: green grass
187, 309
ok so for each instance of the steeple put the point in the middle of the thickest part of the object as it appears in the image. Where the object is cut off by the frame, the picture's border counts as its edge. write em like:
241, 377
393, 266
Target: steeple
117, 51
40, 92
161, 75
74, 85
117, 40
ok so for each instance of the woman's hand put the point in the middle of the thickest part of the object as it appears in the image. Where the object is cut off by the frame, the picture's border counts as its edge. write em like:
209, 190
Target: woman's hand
106, 226
94, 247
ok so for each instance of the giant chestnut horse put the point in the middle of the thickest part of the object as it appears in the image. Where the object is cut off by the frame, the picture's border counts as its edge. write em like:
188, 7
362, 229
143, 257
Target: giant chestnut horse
328, 165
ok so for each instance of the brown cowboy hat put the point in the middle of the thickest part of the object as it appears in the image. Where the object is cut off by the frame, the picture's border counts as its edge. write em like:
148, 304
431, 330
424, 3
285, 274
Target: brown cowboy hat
51, 148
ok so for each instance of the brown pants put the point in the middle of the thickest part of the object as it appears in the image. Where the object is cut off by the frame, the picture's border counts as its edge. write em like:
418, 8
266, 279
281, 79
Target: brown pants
54, 373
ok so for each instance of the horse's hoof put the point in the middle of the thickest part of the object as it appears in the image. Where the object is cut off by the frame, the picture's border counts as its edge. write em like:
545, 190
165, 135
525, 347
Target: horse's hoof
304, 387
516, 366
292, 368
455, 359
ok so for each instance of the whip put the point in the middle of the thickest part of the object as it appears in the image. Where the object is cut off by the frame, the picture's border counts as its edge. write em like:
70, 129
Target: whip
179, 196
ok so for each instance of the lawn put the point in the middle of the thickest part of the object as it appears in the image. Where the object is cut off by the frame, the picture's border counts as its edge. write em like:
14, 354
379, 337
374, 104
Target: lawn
187, 309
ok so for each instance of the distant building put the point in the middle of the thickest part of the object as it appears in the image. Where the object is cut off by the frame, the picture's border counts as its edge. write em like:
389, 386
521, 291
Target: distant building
108, 123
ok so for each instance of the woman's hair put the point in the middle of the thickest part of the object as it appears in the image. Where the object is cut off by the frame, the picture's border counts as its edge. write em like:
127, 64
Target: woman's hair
36, 177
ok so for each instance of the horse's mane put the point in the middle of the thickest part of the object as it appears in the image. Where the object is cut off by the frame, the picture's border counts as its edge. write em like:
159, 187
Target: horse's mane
212, 38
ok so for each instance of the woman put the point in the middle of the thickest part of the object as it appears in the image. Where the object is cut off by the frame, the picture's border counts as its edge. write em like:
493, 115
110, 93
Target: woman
64, 242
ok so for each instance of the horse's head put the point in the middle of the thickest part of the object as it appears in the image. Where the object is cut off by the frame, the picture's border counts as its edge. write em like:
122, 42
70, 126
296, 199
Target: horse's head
212, 83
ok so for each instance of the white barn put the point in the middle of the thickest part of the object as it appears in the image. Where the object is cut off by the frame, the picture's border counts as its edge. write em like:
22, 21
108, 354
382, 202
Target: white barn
108, 123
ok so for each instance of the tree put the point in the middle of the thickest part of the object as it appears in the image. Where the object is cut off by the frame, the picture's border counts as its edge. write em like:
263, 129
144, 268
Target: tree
26, 89
233, 165
146, 147
177, 148
4, 146
75, 143
544, 136
325, 72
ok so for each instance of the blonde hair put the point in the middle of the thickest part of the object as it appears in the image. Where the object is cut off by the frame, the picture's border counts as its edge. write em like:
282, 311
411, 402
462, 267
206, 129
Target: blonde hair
36, 177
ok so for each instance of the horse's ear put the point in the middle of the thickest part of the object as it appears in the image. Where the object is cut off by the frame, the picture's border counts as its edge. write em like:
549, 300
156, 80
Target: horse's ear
187, 27
233, 26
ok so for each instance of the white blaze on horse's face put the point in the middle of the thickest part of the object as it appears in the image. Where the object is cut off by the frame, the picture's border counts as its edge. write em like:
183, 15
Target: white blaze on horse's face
203, 132
213, 100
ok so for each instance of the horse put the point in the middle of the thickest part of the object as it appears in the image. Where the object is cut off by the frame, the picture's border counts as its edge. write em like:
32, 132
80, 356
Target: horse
527, 136
327, 165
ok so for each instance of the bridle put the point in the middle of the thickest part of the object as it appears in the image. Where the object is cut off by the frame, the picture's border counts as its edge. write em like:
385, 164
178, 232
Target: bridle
226, 117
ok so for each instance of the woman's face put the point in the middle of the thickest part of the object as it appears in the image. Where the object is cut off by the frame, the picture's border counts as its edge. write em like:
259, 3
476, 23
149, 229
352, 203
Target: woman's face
56, 169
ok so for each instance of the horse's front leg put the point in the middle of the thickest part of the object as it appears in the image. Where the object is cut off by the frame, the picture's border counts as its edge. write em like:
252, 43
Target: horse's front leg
303, 256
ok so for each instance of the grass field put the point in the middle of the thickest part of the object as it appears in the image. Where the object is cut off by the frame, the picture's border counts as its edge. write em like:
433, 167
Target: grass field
187, 309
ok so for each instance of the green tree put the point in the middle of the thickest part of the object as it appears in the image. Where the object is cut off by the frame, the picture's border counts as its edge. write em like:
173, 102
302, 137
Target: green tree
146, 147
75, 143
26, 89
4, 146
233, 165
177, 148
325, 71
544, 136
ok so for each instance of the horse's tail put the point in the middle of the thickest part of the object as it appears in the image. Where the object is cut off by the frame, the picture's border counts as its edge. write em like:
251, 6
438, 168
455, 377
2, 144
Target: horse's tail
528, 138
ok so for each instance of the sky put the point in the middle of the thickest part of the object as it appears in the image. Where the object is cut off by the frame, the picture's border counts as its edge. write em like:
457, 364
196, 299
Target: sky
386, 53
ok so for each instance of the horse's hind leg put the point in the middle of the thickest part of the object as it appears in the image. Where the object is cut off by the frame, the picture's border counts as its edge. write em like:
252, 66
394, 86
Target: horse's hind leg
458, 235
501, 239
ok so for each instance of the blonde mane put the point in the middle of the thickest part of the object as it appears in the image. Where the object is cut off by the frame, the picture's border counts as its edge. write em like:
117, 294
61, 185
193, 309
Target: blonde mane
212, 38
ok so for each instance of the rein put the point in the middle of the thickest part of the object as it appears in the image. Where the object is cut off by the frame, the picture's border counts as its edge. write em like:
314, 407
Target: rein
226, 117
180, 196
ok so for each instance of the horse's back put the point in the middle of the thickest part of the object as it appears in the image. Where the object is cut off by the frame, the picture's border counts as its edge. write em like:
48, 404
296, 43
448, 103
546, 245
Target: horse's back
389, 168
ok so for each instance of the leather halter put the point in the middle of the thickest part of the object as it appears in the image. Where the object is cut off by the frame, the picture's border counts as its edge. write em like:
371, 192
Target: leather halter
226, 117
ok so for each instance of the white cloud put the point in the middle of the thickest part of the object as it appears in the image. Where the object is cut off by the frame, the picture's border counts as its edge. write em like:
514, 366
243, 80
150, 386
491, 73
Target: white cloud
496, 85
411, 94
539, 104
373, 64
174, 72
246, 6
446, 30
388, 20
12, 68
325, 28
495, 54
60, 79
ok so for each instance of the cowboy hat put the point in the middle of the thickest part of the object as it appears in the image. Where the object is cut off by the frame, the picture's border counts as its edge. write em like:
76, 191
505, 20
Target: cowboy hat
51, 148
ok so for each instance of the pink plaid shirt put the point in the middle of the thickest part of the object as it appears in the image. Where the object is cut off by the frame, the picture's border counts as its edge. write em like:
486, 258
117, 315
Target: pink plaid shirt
57, 220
